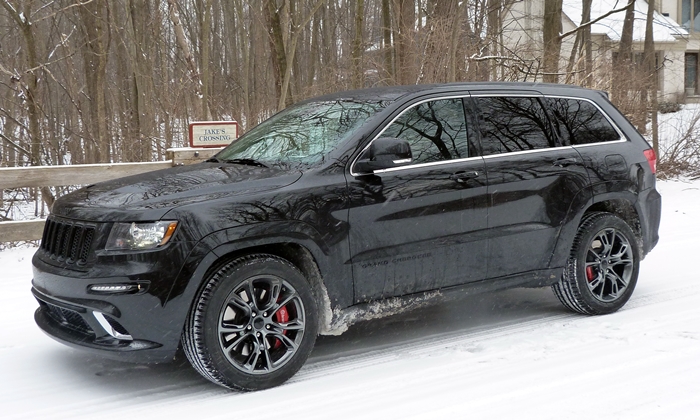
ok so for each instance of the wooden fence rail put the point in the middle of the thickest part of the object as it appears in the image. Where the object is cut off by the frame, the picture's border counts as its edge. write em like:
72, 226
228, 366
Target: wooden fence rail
64, 175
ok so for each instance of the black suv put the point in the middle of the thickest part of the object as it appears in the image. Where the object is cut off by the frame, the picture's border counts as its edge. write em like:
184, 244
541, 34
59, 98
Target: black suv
345, 202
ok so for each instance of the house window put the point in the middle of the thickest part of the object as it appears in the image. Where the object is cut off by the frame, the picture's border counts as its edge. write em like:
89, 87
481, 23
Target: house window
690, 15
691, 73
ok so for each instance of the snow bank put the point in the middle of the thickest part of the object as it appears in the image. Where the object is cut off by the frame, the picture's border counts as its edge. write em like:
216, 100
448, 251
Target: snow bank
514, 354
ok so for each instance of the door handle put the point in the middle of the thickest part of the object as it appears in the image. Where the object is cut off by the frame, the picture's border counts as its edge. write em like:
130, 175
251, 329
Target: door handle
464, 176
563, 162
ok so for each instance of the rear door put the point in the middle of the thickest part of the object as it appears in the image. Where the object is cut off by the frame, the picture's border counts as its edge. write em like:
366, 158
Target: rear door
581, 124
532, 180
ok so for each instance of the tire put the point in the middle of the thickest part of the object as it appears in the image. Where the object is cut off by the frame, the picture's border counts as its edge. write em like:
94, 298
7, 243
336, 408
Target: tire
253, 325
601, 271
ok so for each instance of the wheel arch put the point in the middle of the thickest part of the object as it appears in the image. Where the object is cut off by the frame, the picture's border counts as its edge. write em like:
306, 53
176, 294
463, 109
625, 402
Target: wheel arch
299, 255
622, 207
296, 254
596, 292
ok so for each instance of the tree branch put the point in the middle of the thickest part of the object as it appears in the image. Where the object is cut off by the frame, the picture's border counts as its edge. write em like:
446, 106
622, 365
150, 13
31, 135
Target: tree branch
292, 52
16, 146
13, 13
62, 10
596, 20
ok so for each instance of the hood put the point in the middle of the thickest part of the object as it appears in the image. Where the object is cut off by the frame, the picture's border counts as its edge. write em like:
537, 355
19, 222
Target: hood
151, 195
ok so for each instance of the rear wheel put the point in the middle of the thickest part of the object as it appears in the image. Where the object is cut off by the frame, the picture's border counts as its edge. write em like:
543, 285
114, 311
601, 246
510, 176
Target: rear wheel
602, 269
253, 325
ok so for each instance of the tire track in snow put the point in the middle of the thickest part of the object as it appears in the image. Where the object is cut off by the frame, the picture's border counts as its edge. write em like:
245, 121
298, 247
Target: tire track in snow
438, 342
195, 389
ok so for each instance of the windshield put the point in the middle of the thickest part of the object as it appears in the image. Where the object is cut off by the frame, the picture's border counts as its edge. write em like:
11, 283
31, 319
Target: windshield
302, 134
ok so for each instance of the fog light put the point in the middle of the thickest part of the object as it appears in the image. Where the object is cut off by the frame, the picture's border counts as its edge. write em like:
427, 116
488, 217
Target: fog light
116, 288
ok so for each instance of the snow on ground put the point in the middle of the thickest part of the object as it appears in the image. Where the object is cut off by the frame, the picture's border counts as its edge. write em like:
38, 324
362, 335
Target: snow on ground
514, 354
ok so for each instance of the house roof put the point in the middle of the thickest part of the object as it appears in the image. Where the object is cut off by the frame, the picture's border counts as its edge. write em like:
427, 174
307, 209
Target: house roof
665, 29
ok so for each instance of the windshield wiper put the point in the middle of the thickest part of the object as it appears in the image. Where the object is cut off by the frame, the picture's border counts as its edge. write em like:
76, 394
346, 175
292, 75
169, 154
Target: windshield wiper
249, 162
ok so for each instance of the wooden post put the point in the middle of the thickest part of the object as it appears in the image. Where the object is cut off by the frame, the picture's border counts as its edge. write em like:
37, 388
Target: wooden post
189, 155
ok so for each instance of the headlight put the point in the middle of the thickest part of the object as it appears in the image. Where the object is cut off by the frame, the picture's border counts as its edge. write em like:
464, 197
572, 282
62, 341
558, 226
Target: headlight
137, 236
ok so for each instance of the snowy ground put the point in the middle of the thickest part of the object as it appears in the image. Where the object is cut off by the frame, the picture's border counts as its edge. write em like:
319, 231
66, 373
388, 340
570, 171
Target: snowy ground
516, 354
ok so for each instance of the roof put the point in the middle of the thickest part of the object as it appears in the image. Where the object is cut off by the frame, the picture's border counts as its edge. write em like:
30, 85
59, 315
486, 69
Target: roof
665, 29
391, 93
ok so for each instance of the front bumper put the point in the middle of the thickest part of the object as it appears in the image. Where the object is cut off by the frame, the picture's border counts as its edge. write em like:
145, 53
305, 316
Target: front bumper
85, 328
137, 326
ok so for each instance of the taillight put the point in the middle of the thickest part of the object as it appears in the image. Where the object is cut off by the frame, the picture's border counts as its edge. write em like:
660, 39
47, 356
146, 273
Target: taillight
651, 158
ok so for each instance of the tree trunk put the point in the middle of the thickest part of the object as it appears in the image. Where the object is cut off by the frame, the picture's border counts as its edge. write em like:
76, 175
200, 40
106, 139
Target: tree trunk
357, 45
586, 45
551, 29
278, 55
403, 38
651, 75
30, 87
439, 48
386, 40
94, 18
455, 42
204, 38
189, 59
286, 99
493, 28
622, 64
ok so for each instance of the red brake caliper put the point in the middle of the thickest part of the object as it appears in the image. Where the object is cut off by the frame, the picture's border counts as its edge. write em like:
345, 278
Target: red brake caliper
590, 275
282, 316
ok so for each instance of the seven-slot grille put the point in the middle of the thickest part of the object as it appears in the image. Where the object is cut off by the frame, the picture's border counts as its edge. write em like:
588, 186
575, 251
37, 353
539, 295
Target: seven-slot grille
67, 242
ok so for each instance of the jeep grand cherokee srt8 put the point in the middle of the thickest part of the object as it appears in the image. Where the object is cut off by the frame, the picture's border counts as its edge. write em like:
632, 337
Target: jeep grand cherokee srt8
345, 199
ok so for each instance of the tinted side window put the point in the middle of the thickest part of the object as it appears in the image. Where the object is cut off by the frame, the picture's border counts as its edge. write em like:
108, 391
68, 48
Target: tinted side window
580, 122
512, 124
435, 130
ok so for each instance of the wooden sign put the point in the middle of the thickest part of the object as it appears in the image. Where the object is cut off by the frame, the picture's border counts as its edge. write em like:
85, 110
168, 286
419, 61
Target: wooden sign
213, 133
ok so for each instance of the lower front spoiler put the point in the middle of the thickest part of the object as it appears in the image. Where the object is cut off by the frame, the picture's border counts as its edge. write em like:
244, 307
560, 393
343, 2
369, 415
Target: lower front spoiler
55, 320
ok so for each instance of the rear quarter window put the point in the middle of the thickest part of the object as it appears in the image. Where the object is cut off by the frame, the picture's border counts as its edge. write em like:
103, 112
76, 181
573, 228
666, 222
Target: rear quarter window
580, 122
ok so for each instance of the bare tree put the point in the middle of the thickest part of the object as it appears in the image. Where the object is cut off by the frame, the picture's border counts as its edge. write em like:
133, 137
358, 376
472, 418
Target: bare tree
551, 29
83, 81
199, 100
623, 60
357, 45
29, 84
651, 76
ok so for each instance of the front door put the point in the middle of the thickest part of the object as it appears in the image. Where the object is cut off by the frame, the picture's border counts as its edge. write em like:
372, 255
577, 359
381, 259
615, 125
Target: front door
421, 226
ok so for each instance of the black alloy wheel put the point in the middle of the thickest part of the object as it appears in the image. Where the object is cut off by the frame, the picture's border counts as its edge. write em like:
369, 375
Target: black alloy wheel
609, 265
254, 324
261, 324
602, 270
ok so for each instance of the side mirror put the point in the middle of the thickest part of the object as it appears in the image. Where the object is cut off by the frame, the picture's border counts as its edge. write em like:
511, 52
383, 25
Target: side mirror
383, 153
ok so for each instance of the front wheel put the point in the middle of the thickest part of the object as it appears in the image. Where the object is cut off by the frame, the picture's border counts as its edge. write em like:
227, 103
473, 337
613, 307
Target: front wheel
602, 269
253, 325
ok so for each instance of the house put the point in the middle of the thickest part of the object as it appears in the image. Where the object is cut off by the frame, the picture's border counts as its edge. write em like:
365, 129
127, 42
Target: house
687, 13
677, 45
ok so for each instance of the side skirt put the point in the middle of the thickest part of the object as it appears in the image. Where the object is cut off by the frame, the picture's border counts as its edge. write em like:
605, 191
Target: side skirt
342, 319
